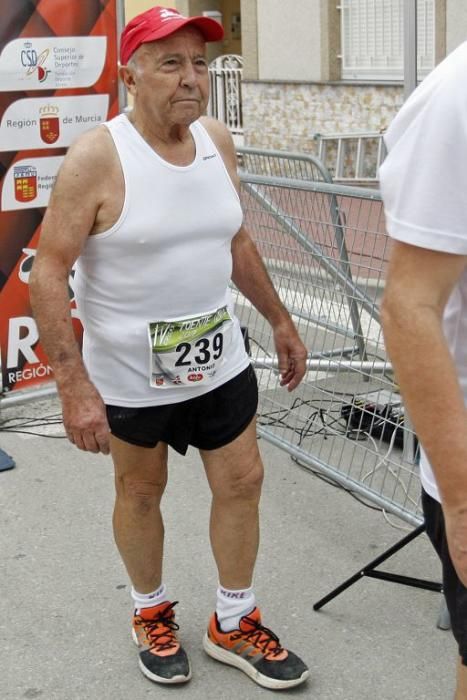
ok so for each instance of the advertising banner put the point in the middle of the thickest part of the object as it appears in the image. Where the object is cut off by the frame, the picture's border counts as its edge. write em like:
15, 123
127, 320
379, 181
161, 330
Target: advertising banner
58, 78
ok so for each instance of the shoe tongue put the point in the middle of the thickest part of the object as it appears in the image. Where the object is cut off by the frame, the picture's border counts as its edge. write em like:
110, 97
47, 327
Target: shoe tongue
151, 613
247, 621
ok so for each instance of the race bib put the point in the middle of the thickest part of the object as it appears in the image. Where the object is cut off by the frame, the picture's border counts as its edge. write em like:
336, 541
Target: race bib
187, 351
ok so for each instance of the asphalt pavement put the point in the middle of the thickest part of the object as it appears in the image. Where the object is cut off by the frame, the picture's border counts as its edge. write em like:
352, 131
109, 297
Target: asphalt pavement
64, 595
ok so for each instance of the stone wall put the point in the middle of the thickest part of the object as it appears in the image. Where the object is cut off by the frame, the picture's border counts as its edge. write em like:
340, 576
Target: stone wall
287, 115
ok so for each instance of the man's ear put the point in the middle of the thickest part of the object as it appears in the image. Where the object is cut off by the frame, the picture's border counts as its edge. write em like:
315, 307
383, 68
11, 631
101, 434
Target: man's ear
127, 76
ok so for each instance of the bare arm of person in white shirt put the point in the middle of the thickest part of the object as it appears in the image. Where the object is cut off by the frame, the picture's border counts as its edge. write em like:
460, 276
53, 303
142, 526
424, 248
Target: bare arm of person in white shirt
417, 289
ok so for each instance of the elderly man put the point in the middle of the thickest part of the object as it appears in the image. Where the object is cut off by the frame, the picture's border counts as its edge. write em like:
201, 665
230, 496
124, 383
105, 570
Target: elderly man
148, 203
425, 309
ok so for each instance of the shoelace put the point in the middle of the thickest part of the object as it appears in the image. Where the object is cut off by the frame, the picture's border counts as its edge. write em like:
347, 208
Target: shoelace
261, 637
160, 627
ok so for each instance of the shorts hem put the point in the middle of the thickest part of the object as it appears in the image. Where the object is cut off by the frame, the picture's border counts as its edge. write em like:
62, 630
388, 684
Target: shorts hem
182, 450
226, 441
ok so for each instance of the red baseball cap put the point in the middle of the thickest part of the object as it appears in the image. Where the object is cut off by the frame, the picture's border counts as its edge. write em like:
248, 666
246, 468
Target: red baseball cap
159, 22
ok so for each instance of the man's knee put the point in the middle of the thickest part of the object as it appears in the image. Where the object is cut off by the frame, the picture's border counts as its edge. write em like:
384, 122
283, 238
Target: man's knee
244, 484
143, 494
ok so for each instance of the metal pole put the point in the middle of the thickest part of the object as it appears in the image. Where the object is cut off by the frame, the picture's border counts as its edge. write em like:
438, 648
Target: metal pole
122, 95
17, 398
329, 364
410, 47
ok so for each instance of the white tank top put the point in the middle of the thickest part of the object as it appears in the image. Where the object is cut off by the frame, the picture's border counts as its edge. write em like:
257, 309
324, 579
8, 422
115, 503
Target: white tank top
153, 290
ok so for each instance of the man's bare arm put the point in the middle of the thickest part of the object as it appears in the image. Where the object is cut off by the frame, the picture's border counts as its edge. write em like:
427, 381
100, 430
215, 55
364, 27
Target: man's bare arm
70, 217
418, 287
252, 279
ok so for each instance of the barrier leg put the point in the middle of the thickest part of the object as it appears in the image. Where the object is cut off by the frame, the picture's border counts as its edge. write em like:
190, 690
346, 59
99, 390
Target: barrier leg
369, 571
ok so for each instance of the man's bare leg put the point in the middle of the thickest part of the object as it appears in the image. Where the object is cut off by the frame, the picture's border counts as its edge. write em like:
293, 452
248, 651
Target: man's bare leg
235, 475
140, 477
140, 480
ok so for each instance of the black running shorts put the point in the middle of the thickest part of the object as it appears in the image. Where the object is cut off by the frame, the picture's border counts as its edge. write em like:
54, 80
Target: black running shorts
454, 590
207, 422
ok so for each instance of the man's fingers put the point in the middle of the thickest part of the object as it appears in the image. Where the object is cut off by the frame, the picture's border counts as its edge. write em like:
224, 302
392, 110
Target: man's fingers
293, 372
283, 363
292, 383
102, 438
76, 438
90, 440
287, 375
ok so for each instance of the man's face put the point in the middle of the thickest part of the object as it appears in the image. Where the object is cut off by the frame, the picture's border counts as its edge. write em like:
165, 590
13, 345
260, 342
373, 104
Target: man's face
169, 78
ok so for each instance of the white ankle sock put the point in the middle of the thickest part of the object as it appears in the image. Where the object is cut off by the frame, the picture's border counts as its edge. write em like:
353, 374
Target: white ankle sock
149, 600
232, 605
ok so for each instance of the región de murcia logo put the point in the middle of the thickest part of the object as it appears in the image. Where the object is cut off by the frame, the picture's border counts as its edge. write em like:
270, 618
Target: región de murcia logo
49, 123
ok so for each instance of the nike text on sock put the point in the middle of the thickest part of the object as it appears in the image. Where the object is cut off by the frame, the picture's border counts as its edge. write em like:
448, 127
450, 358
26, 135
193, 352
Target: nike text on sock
232, 605
149, 600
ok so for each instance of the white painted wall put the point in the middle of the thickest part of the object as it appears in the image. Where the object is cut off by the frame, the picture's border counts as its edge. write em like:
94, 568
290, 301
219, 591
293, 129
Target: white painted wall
289, 45
456, 23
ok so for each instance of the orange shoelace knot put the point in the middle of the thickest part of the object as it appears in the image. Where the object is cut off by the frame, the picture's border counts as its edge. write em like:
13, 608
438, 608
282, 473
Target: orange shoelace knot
160, 630
261, 637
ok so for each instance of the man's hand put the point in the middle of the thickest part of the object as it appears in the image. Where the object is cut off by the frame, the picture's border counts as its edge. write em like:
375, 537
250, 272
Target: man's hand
85, 419
456, 533
291, 354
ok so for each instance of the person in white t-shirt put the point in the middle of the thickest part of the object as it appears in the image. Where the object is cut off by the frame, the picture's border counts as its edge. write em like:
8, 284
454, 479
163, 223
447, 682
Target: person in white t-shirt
148, 204
424, 309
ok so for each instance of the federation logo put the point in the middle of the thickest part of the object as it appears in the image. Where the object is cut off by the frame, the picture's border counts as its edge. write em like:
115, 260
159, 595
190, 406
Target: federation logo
49, 123
25, 182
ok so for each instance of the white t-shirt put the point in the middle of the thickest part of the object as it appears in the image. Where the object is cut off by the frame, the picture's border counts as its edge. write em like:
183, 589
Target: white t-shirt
424, 188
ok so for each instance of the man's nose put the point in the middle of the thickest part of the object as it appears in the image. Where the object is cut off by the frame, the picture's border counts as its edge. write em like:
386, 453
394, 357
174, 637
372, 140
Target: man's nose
188, 77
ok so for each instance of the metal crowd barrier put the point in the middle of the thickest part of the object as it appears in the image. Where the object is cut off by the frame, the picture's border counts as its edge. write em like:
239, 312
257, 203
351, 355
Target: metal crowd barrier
353, 157
326, 250
291, 164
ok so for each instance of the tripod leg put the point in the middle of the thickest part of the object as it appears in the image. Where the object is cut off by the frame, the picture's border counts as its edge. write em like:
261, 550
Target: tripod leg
373, 564
353, 579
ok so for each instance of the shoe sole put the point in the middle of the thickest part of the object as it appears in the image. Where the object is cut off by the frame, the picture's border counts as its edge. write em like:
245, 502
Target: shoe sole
152, 676
228, 657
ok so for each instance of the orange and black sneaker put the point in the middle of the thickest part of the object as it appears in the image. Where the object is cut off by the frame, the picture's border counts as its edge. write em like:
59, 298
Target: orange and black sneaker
256, 651
161, 658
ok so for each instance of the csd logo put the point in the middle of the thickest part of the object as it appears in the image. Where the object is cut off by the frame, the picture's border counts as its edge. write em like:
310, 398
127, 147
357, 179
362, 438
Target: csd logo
29, 57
